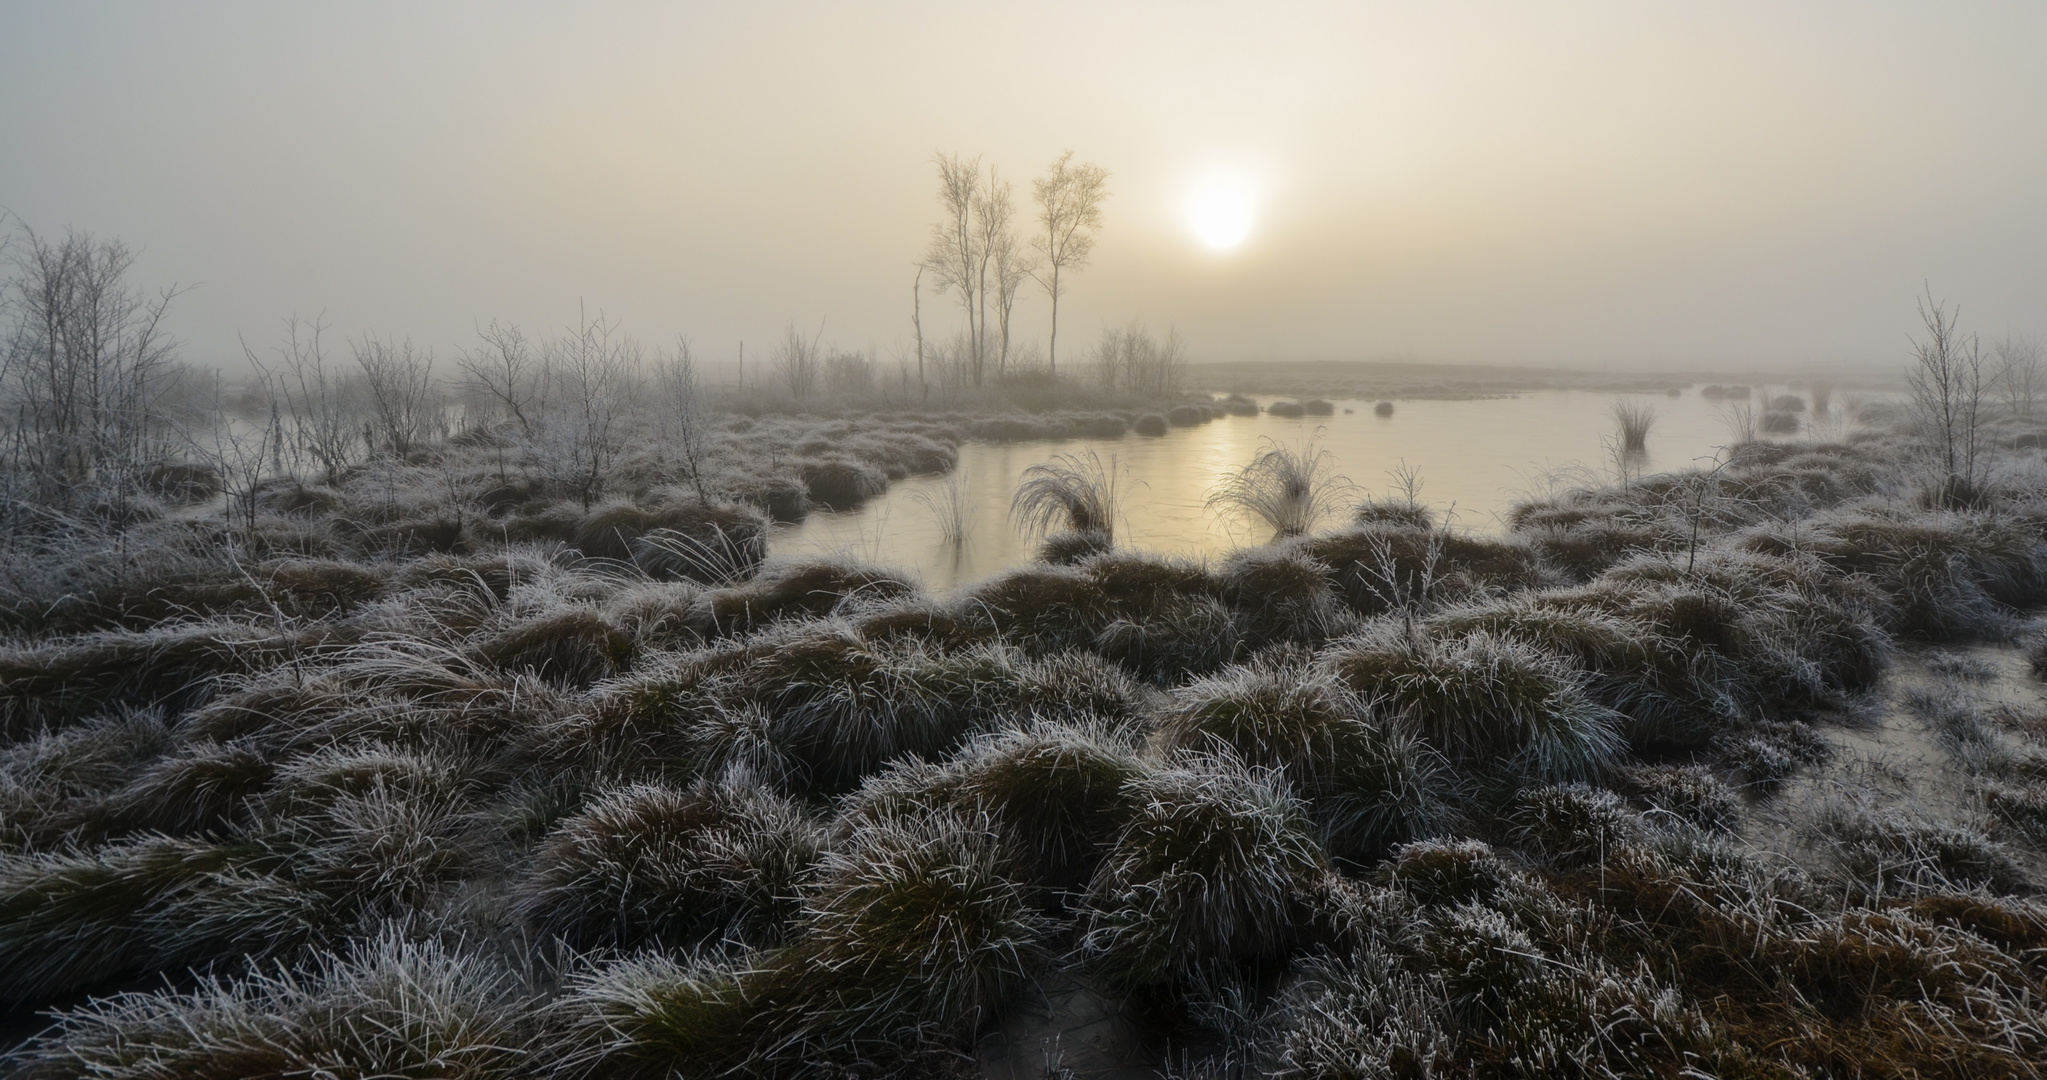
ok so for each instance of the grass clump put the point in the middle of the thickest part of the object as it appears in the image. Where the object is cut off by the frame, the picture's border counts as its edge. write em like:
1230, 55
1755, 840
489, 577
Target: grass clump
1213, 870
72, 920
1883, 853
841, 483
1058, 792
1486, 701
387, 1007
1368, 785
573, 647
648, 864
1280, 594
795, 591
909, 940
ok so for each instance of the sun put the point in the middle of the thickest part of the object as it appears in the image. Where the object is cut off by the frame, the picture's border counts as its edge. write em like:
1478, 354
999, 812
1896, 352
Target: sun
1221, 213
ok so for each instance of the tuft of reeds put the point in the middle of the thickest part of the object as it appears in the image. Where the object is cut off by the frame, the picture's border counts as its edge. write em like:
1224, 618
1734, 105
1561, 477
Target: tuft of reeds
1633, 419
1287, 489
1077, 491
950, 508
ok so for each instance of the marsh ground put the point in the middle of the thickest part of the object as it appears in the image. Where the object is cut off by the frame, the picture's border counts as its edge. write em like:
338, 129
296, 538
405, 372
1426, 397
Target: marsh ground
439, 768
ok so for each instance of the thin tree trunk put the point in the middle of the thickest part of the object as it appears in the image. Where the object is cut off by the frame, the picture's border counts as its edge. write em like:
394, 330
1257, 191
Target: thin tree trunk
1052, 352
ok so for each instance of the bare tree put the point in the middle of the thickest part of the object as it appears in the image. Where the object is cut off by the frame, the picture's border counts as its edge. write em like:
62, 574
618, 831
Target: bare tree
1013, 266
2019, 376
503, 371
589, 375
917, 321
957, 256
683, 416
1947, 384
85, 364
237, 452
1069, 199
799, 361
404, 400
1133, 362
318, 399
996, 244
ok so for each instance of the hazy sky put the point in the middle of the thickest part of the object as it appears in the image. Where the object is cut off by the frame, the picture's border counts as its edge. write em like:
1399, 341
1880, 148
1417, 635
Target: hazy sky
1612, 183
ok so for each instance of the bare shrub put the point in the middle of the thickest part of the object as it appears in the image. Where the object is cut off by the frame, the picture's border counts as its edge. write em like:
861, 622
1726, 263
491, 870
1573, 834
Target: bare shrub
589, 382
319, 402
404, 400
798, 361
1130, 360
1947, 383
682, 415
2019, 377
85, 368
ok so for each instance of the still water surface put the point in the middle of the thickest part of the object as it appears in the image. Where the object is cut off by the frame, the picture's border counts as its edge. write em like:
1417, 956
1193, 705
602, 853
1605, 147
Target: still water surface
1475, 458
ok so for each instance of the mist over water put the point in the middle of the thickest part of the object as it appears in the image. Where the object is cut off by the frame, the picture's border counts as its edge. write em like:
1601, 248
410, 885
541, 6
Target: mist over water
1476, 459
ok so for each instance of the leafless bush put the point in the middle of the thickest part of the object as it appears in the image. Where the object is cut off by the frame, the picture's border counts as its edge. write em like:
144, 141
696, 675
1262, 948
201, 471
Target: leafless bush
1134, 362
684, 420
503, 372
2019, 378
1947, 385
319, 403
84, 365
798, 362
588, 379
848, 373
404, 401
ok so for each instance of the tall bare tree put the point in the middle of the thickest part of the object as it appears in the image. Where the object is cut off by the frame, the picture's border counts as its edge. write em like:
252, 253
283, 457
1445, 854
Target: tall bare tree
1014, 264
957, 255
1069, 199
1947, 385
917, 321
993, 209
